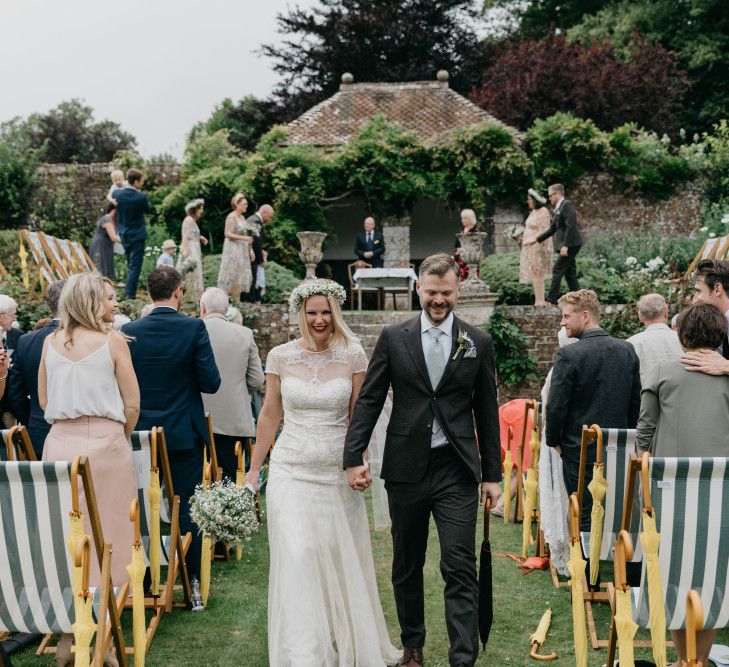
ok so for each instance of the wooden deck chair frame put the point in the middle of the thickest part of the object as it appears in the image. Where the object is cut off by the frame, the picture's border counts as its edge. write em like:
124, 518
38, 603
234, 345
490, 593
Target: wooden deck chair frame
109, 615
694, 624
53, 256
87, 264
217, 472
71, 259
717, 248
179, 544
530, 405
17, 437
43, 270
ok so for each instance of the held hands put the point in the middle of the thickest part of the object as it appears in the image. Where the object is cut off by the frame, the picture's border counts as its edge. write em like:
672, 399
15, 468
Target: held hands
359, 477
530, 243
490, 490
368, 254
706, 361
252, 479
563, 251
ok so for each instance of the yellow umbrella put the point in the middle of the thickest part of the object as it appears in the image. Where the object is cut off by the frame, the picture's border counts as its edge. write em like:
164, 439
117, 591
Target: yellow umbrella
84, 628
207, 547
625, 626
598, 489
650, 539
576, 566
508, 465
530, 504
136, 571
240, 481
535, 444
538, 638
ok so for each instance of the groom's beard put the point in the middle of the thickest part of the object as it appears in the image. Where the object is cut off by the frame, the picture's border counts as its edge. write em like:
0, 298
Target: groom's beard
437, 316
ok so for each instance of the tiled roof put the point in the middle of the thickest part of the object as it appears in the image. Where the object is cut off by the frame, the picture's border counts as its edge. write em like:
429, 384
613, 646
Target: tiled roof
428, 108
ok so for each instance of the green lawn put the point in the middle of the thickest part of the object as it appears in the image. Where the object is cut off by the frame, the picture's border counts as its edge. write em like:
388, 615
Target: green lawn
232, 630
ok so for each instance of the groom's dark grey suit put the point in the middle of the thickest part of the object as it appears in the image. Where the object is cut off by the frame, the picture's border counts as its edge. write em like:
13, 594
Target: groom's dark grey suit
441, 481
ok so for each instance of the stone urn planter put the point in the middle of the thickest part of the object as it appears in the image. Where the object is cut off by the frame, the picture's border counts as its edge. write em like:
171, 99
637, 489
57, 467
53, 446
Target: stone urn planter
472, 253
310, 253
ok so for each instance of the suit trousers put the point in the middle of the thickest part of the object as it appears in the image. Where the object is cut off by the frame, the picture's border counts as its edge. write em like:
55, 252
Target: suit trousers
571, 469
567, 267
135, 256
186, 467
225, 449
448, 492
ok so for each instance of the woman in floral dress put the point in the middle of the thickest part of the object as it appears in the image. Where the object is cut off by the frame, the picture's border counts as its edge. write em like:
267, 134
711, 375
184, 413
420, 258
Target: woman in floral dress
190, 250
235, 273
535, 262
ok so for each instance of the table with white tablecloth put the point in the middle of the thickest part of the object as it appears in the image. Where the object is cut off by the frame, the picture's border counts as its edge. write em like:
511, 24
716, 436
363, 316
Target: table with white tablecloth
383, 280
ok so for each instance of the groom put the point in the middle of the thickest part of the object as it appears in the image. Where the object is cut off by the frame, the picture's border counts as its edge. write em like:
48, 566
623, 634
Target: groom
442, 441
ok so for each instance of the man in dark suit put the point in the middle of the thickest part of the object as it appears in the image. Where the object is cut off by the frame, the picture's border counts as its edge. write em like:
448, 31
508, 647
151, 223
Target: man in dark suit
131, 205
174, 363
442, 442
259, 219
370, 244
9, 337
594, 381
567, 240
22, 391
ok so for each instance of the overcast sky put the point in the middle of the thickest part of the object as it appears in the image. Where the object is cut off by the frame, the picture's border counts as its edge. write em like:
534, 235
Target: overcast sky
155, 67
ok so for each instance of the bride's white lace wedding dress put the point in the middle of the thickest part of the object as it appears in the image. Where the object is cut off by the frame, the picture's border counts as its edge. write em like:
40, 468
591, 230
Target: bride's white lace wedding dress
323, 606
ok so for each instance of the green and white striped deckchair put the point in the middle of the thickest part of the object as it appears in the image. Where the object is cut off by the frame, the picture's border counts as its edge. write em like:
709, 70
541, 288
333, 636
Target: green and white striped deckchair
174, 546
87, 264
36, 590
53, 255
16, 445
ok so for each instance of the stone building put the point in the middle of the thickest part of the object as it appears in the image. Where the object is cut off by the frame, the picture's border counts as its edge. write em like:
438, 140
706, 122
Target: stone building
427, 108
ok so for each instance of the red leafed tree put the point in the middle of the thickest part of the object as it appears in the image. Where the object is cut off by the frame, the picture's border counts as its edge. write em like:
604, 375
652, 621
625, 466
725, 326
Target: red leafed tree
534, 79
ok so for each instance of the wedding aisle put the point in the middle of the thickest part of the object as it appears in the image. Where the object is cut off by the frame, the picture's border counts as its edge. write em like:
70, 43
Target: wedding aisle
232, 630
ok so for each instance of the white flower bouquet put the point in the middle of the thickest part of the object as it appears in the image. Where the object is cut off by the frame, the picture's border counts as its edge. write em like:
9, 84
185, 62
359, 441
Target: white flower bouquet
188, 265
225, 512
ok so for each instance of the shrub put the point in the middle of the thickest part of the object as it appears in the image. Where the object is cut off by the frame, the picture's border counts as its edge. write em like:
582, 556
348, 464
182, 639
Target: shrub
514, 365
718, 161
564, 147
279, 281
18, 163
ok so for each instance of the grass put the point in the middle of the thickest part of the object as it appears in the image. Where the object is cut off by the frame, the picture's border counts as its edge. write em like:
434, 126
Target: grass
232, 630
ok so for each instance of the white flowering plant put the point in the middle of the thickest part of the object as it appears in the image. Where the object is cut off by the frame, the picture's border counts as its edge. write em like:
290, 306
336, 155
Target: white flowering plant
188, 265
312, 287
225, 512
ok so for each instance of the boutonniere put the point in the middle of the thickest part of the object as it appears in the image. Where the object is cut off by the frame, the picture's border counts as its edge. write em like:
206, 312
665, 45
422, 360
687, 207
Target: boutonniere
465, 345
377, 240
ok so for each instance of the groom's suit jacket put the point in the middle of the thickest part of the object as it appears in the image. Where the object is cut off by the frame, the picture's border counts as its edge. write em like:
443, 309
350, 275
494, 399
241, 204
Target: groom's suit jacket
464, 402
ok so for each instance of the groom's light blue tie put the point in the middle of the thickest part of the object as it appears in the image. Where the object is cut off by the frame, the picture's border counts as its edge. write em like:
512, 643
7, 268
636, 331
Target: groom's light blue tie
436, 363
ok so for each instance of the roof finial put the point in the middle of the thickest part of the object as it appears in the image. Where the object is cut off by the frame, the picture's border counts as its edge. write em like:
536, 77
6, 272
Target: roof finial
442, 76
347, 78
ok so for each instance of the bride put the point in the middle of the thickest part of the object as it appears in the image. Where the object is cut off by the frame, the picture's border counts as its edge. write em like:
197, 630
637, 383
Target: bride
323, 606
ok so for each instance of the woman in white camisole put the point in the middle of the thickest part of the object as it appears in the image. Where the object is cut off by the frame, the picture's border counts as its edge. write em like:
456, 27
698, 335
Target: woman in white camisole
89, 391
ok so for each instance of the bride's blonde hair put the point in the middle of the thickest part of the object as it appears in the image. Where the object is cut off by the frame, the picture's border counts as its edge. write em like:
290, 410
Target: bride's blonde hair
340, 331
82, 304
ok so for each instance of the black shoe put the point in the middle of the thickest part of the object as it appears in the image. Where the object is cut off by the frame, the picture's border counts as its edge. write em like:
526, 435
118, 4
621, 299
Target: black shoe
196, 601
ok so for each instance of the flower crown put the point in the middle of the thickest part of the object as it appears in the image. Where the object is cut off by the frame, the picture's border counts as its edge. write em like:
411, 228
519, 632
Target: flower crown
313, 286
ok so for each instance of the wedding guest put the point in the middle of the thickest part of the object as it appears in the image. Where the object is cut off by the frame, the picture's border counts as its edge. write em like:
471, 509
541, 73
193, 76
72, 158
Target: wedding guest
131, 206
567, 241
469, 222
174, 362
88, 389
535, 262
117, 183
595, 381
258, 222
9, 337
167, 256
190, 248
657, 342
102, 245
23, 379
235, 276
241, 374
369, 245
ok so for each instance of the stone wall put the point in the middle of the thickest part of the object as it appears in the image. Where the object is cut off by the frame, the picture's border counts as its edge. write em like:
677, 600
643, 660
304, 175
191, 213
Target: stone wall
604, 205
270, 325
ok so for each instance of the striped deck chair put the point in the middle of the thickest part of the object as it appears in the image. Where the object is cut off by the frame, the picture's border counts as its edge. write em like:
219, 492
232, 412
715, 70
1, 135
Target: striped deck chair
217, 472
716, 248
149, 448
529, 406
690, 498
70, 261
17, 445
54, 256
32, 240
87, 264
36, 498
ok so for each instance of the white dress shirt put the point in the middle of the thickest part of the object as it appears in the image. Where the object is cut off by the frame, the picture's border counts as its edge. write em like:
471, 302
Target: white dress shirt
446, 341
656, 343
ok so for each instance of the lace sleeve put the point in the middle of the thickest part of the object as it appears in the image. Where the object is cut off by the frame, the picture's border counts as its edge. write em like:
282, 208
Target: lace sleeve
359, 360
273, 362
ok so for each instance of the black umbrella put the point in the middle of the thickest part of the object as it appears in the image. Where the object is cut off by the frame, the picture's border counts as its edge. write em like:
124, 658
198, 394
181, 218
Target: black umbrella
485, 585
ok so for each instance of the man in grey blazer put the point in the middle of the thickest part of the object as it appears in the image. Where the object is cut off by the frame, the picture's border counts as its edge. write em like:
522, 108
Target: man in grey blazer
595, 381
442, 448
240, 369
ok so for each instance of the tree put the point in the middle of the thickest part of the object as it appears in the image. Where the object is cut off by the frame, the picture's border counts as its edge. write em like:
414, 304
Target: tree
246, 120
68, 133
535, 79
18, 161
378, 40
533, 17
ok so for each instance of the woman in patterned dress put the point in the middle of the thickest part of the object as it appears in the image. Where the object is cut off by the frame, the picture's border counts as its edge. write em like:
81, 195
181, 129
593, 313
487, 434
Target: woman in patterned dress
190, 249
235, 273
535, 262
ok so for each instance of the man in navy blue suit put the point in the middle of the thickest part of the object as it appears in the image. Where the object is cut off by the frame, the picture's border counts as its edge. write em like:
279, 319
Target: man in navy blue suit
370, 244
22, 392
131, 205
174, 363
